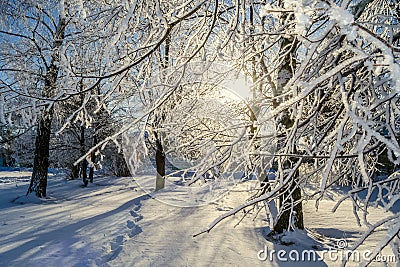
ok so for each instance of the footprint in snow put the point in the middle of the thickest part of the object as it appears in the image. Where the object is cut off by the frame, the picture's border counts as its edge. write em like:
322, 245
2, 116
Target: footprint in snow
130, 224
137, 217
118, 242
133, 228
116, 247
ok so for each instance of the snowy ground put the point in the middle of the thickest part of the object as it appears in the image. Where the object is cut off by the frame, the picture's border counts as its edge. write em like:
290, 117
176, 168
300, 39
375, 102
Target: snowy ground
114, 223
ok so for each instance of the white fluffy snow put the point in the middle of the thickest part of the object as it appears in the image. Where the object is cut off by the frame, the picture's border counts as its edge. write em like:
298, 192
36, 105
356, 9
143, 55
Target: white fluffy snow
114, 223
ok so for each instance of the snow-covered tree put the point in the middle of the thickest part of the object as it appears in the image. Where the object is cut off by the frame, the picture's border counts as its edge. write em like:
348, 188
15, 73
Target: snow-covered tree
336, 107
325, 74
34, 36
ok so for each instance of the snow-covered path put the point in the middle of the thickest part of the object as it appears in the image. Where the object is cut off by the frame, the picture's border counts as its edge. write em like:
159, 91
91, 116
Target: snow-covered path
167, 239
114, 223
108, 224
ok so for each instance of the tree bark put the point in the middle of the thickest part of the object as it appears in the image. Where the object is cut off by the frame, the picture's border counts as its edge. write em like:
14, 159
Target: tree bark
160, 156
160, 164
290, 205
93, 159
41, 162
38, 182
84, 161
74, 171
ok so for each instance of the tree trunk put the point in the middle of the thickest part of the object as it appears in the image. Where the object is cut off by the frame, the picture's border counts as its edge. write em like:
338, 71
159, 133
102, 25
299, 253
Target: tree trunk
38, 182
292, 215
160, 156
93, 159
74, 171
290, 205
41, 162
96, 130
292, 191
91, 169
84, 161
160, 165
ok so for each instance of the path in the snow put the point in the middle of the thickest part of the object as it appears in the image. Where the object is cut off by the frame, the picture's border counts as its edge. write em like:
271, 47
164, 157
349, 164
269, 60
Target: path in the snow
114, 223
166, 238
